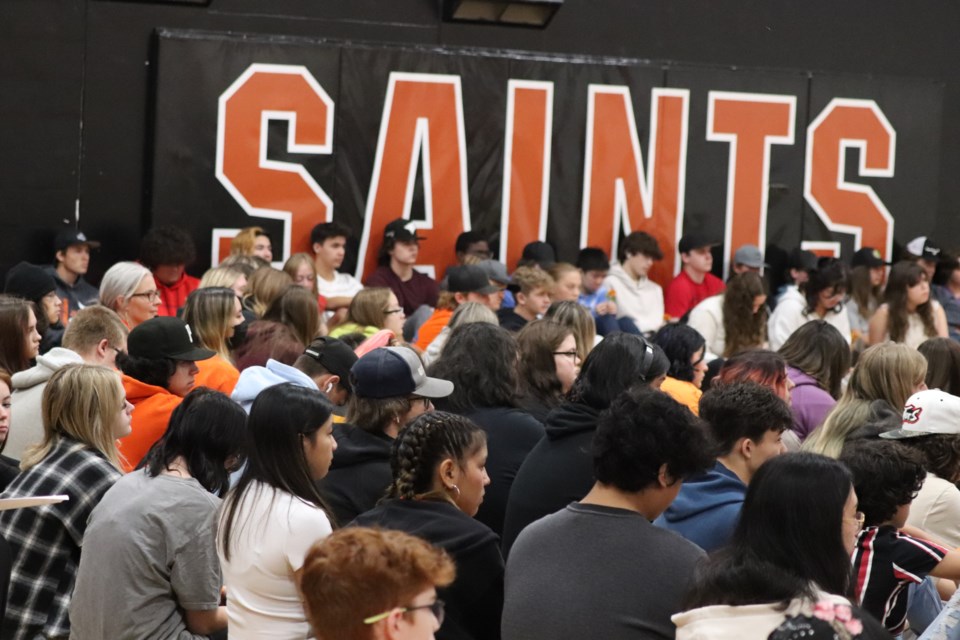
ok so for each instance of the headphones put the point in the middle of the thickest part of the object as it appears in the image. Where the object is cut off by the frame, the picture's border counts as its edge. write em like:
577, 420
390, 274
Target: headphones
646, 359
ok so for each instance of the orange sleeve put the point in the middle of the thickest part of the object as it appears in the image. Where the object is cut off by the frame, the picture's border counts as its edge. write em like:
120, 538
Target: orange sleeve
149, 423
432, 327
217, 374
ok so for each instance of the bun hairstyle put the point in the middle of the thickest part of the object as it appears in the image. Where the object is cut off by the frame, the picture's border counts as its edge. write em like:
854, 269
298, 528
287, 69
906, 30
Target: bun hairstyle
422, 445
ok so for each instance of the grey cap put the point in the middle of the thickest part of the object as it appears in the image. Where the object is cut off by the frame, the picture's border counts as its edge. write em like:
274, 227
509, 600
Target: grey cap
750, 256
495, 271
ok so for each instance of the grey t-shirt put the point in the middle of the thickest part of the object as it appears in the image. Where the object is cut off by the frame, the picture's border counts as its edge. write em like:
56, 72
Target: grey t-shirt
149, 552
595, 572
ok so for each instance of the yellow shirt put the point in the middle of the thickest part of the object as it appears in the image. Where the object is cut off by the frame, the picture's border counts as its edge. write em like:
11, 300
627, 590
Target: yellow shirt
683, 392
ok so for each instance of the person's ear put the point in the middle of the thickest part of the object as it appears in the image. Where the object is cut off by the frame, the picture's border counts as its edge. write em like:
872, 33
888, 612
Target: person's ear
664, 477
460, 297
521, 298
448, 472
102, 347
332, 382
317, 247
393, 626
61, 256
746, 447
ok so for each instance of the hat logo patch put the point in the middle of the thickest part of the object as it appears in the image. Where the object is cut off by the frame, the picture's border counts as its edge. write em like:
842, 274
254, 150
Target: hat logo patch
911, 414
189, 333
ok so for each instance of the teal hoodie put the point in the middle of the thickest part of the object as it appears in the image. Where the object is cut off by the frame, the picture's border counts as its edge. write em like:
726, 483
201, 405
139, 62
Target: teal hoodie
707, 508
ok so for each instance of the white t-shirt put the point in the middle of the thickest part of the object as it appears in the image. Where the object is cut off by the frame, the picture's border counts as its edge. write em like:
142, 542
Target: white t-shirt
791, 314
342, 285
272, 532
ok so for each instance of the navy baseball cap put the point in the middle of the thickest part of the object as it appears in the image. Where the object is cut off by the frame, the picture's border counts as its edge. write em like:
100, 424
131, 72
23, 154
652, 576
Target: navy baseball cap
391, 372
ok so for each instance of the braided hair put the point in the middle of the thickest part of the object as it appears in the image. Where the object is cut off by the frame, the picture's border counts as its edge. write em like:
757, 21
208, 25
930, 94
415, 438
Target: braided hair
422, 445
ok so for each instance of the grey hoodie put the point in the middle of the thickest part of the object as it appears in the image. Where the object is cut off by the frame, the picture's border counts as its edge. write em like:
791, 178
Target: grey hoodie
26, 423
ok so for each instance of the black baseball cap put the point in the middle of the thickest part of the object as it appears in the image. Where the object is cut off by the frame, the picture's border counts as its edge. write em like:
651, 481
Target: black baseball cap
391, 372
867, 257
802, 259
539, 252
400, 230
165, 338
335, 356
691, 241
469, 278
70, 237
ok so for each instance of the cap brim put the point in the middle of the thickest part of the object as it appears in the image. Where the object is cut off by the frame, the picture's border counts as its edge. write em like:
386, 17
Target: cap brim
434, 388
903, 434
487, 290
193, 355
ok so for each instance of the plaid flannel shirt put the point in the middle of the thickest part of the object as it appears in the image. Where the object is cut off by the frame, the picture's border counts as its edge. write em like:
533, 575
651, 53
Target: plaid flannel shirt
45, 541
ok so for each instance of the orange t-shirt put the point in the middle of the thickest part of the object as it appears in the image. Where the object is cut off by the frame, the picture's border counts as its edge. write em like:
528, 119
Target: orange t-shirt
432, 327
683, 392
152, 407
217, 374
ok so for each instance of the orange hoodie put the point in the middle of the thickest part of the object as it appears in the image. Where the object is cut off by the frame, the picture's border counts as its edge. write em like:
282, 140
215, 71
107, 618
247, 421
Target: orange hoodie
152, 407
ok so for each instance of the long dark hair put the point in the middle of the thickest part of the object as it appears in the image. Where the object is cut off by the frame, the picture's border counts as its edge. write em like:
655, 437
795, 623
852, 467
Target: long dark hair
830, 273
281, 416
679, 342
619, 362
789, 539
743, 328
14, 321
480, 360
904, 275
538, 340
205, 429
819, 350
943, 364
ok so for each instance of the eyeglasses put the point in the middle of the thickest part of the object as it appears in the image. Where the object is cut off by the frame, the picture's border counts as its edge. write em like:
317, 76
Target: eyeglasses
859, 517
426, 401
149, 295
573, 355
436, 608
389, 311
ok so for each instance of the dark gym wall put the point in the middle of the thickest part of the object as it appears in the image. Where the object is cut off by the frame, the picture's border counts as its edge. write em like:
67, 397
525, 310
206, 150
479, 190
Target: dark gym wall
75, 79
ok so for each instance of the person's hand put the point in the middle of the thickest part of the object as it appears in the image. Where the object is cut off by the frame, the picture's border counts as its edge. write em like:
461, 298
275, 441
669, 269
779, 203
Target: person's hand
607, 308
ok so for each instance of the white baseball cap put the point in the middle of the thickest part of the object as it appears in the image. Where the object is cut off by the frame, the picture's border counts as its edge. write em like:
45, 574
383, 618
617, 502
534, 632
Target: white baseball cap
928, 412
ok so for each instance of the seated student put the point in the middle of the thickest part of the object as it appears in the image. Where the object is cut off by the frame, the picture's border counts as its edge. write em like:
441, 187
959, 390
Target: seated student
579, 321
567, 281
465, 283
558, 470
159, 369
748, 259
909, 314
746, 421
389, 391
95, 335
467, 313
943, 364
548, 366
416, 292
867, 274
71, 261
887, 475
531, 289
167, 251
638, 297
686, 350
645, 446
820, 298
84, 413
34, 284
480, 360
150, 542
252, 241
213, 314
329, 243
931, 427
129, 289
596, 296
370, 584
735, 320
694, 282
789, 555
800, 263
371, 310
438, 485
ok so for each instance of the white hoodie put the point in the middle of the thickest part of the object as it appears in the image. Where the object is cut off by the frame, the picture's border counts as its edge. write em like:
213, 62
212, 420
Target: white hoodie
641, 299
26, 421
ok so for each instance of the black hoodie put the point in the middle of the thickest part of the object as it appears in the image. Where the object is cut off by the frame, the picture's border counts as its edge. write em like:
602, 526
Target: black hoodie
475, 599
558, 471
359, 474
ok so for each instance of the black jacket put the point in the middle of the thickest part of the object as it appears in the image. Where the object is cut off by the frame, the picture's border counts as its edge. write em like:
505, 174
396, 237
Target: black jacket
359, 474
474, 602
511, 434
558, 471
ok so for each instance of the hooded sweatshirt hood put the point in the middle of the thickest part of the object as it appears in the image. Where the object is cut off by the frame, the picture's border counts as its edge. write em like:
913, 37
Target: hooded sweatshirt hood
569, 419
356, 446
439, 523
47, 364
707, 508
253, 380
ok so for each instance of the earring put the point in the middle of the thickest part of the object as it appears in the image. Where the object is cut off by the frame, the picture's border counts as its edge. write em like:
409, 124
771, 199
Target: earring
455, 488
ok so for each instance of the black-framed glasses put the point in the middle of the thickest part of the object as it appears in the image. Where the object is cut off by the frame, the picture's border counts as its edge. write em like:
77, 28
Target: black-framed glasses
572, 354
435, 607
149, 295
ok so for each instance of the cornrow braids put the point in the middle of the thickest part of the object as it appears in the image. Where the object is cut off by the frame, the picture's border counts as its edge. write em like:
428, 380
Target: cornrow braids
423, 444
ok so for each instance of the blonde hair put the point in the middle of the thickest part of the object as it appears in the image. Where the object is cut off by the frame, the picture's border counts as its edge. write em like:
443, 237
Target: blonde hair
122, 279
886, 371
368, 306
264, 287
527, 279
91, 325
579, 321
80, 401
222, 276
470, 312
292, 265
209, 311
242, 243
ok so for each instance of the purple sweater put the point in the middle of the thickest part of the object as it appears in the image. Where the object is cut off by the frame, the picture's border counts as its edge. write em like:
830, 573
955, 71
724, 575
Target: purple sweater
810, 402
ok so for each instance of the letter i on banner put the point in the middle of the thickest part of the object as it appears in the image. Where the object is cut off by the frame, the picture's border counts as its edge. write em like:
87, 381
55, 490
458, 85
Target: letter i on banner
751, 123
617, 192
526, 166
270, 188
422, 123
846, 207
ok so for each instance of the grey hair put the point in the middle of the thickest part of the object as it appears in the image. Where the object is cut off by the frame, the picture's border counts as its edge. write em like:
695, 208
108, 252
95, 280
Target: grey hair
122, 279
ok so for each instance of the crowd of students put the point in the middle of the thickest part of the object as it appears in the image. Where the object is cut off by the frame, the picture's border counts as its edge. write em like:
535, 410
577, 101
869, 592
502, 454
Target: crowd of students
566, 450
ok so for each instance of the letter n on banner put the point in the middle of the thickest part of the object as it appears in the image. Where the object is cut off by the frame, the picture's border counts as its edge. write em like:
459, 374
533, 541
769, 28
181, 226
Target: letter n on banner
270, 188
617, 192
846, 207
422, 122
751, 123
526, 166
